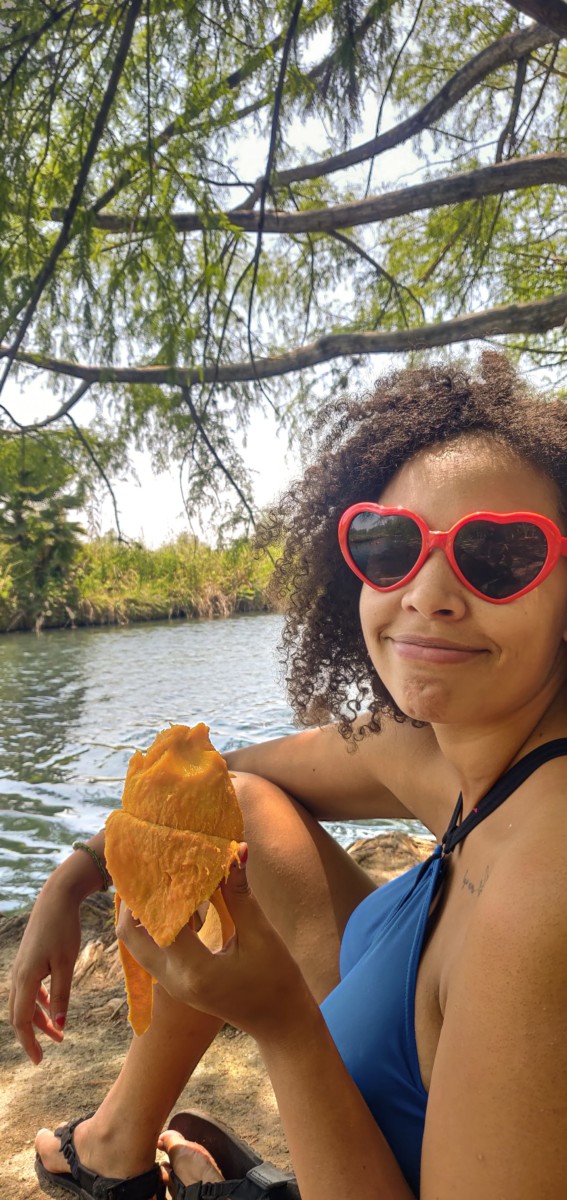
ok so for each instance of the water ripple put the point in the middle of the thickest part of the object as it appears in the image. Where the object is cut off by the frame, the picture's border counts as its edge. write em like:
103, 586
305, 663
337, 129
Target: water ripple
76, 704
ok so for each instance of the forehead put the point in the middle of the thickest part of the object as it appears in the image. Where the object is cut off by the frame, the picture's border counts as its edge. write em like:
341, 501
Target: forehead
470, 474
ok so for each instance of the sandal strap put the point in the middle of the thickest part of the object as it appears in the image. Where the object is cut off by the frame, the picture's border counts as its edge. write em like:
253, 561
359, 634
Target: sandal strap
139, 1187
260, 1183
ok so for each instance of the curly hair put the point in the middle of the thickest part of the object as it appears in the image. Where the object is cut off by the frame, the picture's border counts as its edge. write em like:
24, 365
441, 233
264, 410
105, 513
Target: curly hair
360, 444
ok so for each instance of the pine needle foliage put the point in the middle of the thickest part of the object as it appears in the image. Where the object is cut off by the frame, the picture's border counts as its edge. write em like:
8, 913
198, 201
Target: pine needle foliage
209, 209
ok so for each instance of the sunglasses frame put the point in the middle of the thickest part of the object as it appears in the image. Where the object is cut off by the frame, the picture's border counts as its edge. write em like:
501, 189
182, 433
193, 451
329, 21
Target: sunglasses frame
432, 539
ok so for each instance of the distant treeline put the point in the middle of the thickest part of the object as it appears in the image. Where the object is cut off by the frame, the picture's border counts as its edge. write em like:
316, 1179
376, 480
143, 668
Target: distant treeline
111, 582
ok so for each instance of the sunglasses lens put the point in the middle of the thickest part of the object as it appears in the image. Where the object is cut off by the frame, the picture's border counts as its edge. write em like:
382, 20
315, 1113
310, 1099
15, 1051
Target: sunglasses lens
384, 547
500, 560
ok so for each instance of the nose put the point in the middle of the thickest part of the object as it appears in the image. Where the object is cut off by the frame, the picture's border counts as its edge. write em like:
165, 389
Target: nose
436, 590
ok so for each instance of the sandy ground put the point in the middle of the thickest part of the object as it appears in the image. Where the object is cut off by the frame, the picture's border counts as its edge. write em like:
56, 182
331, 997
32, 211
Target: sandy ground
74, 1077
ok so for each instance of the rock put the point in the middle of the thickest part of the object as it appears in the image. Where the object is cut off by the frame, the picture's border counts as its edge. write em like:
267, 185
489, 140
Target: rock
388, 854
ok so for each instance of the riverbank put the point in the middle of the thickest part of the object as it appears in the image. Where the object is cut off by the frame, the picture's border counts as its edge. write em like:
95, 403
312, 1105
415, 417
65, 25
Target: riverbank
74, 1077
115, 583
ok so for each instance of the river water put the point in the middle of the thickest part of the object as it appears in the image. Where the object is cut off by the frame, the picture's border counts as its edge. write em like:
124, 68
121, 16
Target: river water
75, 704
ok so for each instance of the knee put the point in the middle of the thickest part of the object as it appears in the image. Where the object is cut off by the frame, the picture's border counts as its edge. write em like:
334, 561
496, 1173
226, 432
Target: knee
264, 805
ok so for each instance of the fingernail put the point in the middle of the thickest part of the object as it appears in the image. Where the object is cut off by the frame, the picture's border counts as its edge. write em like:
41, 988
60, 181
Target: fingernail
243, 855
60, 1020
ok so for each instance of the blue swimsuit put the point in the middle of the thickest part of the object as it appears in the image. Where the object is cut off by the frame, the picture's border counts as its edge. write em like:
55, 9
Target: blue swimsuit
371, 1014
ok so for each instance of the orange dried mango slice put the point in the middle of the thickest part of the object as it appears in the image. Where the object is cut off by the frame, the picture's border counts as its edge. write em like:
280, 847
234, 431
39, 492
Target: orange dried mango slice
171, 843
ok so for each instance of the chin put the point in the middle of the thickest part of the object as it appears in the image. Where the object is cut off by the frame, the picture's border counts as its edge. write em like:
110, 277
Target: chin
426, 701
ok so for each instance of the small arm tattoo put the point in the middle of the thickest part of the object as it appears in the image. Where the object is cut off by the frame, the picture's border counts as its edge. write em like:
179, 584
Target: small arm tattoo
476, 889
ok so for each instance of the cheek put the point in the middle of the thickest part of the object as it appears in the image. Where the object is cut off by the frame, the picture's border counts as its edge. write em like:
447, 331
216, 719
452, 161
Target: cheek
538, 629
375, 610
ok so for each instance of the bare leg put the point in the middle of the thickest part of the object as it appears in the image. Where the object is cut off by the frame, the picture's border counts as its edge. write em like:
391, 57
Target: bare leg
308, 888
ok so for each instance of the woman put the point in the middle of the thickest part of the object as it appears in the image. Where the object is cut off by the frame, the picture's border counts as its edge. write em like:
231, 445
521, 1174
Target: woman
437, 1066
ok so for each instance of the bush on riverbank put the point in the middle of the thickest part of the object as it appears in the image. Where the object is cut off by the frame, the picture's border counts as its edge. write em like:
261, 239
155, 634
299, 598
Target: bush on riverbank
114, 583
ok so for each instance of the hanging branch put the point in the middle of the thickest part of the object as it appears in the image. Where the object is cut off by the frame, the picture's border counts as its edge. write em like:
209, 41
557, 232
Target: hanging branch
508, 132
380, 270
530, 116
52, 420
270, 163
389, 83
46, 272
79, 433
32, 38
186, 395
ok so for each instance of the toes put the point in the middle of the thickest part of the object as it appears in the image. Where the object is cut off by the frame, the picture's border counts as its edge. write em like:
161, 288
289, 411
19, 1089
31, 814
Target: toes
49, 1149
171, 1138
191, 1162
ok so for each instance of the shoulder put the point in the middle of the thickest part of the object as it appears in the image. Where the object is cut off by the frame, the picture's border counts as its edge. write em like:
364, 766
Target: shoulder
497, 1107
525, 912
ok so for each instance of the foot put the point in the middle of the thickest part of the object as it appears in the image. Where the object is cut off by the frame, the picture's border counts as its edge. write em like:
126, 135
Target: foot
106, 1156
190, 1161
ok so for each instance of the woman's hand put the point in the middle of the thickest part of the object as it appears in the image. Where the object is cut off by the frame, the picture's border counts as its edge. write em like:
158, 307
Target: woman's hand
49, 948
253, 982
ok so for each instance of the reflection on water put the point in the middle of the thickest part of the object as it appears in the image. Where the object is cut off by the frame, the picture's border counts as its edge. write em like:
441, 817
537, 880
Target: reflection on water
75, 704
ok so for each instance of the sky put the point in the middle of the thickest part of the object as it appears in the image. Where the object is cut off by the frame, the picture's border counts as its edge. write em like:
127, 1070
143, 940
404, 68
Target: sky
152, 507
150, 504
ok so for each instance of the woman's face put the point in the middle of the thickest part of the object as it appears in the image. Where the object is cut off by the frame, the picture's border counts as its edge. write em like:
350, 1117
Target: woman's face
444, 654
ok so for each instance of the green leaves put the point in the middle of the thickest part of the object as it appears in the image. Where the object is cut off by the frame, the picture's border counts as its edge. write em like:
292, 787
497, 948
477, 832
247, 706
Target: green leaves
156, 269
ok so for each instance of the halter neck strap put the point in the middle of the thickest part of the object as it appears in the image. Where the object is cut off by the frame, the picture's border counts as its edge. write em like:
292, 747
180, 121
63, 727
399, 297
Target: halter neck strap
503, 788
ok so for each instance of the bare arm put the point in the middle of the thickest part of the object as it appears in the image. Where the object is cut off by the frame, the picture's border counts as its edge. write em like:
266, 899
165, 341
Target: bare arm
398, 772
49, 948
497, 1111
335, 1144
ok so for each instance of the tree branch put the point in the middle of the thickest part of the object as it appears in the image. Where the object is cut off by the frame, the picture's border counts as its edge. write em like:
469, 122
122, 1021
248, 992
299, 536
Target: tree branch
292, 27
537, 316
85, 442
31, 38
233, 81
509, 130
512, 175
46, 272
186, 394
380, 270
506, 50
552, 13
63, 411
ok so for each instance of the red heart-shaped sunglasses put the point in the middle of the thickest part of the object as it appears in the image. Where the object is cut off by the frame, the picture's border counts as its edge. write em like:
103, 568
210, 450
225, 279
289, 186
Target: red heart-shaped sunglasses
497, 556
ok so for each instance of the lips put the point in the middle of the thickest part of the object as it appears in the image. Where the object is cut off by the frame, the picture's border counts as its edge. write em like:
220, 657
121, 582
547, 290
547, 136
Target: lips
441, 643
435, 650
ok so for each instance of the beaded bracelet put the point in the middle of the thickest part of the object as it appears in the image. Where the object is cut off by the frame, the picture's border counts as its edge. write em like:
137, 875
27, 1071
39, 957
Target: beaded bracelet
106, 880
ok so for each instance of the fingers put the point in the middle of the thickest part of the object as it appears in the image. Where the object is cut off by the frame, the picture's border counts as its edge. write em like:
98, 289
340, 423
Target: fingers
59, 992
23, 1012
187, 947
25, 1034
43, 995
28, 1010
138, 941
43, 1022
237, 895
25, 1025
237, 881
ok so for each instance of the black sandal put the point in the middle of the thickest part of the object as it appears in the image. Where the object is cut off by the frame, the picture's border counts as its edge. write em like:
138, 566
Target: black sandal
89, 1186
247, 1176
